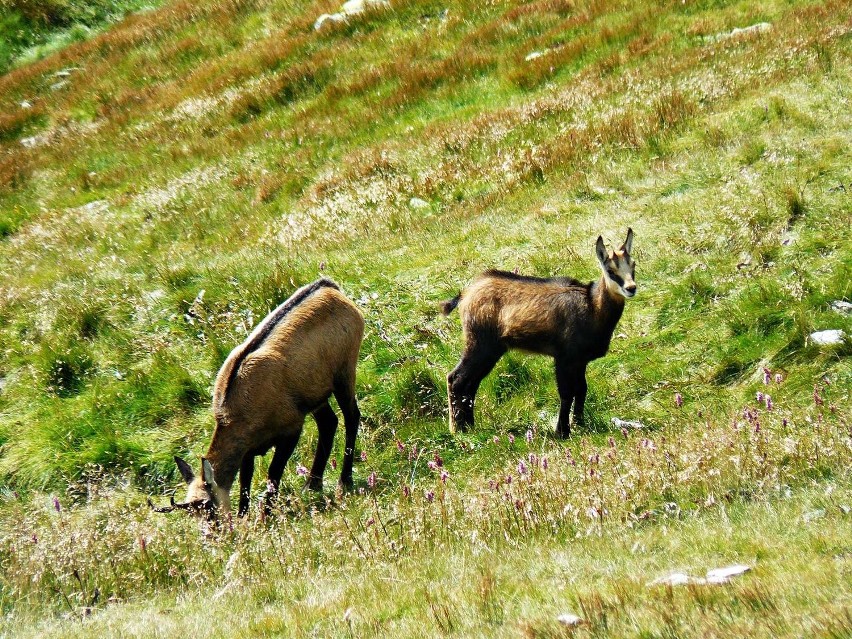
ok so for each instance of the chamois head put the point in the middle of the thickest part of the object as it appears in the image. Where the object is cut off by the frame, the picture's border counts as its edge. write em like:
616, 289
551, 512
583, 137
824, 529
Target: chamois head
204, 498
618, 267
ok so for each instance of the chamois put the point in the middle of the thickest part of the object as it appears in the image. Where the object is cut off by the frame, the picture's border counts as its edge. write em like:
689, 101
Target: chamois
561, 317
295, 359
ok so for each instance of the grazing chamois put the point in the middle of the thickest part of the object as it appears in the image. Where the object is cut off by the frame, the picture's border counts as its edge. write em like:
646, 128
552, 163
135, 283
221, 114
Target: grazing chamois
295, 359
561, 317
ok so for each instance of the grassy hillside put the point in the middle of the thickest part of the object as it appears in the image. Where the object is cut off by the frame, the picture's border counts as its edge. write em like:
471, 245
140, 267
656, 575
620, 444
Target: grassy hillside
166, 183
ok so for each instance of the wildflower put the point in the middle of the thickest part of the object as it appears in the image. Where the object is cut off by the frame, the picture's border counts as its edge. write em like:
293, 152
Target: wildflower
533, 459
543, 462
678, 400
363, 455
817, 398
508, 479
496, 439
759, 397
767, 375
529, 436
371, 479
522, 468
406, 491
444, 476
412, 453
334, 464
56, 505
400, 446
784, 422
438, 461
432, 465
569, 458
511, 438
768, 402
370, 522
611, 442
301, 470
430, 496
34, 538
624, 432
778, 378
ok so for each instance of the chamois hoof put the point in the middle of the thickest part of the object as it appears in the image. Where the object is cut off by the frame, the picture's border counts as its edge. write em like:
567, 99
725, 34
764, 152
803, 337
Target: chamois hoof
346, 485
314, 484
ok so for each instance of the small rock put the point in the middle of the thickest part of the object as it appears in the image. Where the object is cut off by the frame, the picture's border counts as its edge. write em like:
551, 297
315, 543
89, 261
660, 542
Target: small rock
760, 27
830, 337
623, 423
724, 575
418, 203
327, 18
814, 514
843, 507
841, 307
30, 143
26, 104
59, 85
569, 619
534, 55
677, 579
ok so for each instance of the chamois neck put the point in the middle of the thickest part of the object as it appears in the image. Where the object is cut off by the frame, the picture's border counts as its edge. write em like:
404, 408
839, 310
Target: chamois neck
226, 461
607, 305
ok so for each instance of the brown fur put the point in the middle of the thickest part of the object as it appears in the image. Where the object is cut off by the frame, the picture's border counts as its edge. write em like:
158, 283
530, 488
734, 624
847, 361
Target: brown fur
560, 317
301, 354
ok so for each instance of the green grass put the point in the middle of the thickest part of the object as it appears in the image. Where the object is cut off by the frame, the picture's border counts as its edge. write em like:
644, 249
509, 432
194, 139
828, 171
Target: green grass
205, 159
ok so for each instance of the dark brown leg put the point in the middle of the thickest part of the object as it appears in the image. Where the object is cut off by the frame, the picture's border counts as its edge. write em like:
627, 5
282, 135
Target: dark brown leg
345, 395
327, 425
581, 387
462, 383
566, 385
246, 473
284, 448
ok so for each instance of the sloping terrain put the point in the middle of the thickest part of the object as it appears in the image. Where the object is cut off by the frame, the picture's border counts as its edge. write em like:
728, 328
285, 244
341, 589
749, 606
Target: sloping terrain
166, 183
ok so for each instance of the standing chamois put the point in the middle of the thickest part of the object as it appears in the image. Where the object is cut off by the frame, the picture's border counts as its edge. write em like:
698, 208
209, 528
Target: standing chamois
295, 359
561, 317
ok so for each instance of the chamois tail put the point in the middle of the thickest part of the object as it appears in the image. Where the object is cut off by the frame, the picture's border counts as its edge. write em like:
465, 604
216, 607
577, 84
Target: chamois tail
447, 306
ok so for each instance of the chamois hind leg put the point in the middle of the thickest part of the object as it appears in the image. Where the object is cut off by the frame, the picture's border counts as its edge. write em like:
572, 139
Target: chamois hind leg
478, 359
246, 473
344, 392
284, 448
327, 425
566, 384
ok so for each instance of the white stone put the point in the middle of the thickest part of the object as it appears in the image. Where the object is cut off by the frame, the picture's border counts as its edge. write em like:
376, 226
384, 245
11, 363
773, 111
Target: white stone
677, 579
623, 423
760, 27
534, 55
418, 203
841, 307
329, 18
724, 575
827, 338
26, 104
569, 619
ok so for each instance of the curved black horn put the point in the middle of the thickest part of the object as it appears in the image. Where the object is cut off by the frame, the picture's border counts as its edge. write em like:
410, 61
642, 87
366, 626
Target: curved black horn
164, 509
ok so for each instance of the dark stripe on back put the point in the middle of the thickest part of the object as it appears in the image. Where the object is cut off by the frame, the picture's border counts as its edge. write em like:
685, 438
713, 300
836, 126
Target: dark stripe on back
561, 281
272, 322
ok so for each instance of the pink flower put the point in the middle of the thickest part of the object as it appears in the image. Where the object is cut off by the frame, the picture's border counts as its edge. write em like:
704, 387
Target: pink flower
430, 496
817, 398
678, 400
522, 468
511, 438
529, 435
432, 465
400, 446
444, 476
759, 397
301, 470
778, 378
56, 505
363, 455
496, 439
438, 461
371, 479
767, 375
544, 463
768, 402
406, 491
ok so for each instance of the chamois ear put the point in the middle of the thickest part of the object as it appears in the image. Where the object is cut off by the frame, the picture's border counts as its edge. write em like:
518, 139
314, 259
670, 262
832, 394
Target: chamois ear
185, 470
628, 243
207, 472
601, 251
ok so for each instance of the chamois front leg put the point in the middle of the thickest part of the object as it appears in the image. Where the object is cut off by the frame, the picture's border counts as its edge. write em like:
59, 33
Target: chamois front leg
566, 385
327, 426
580, 386
246, 473
284, 448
